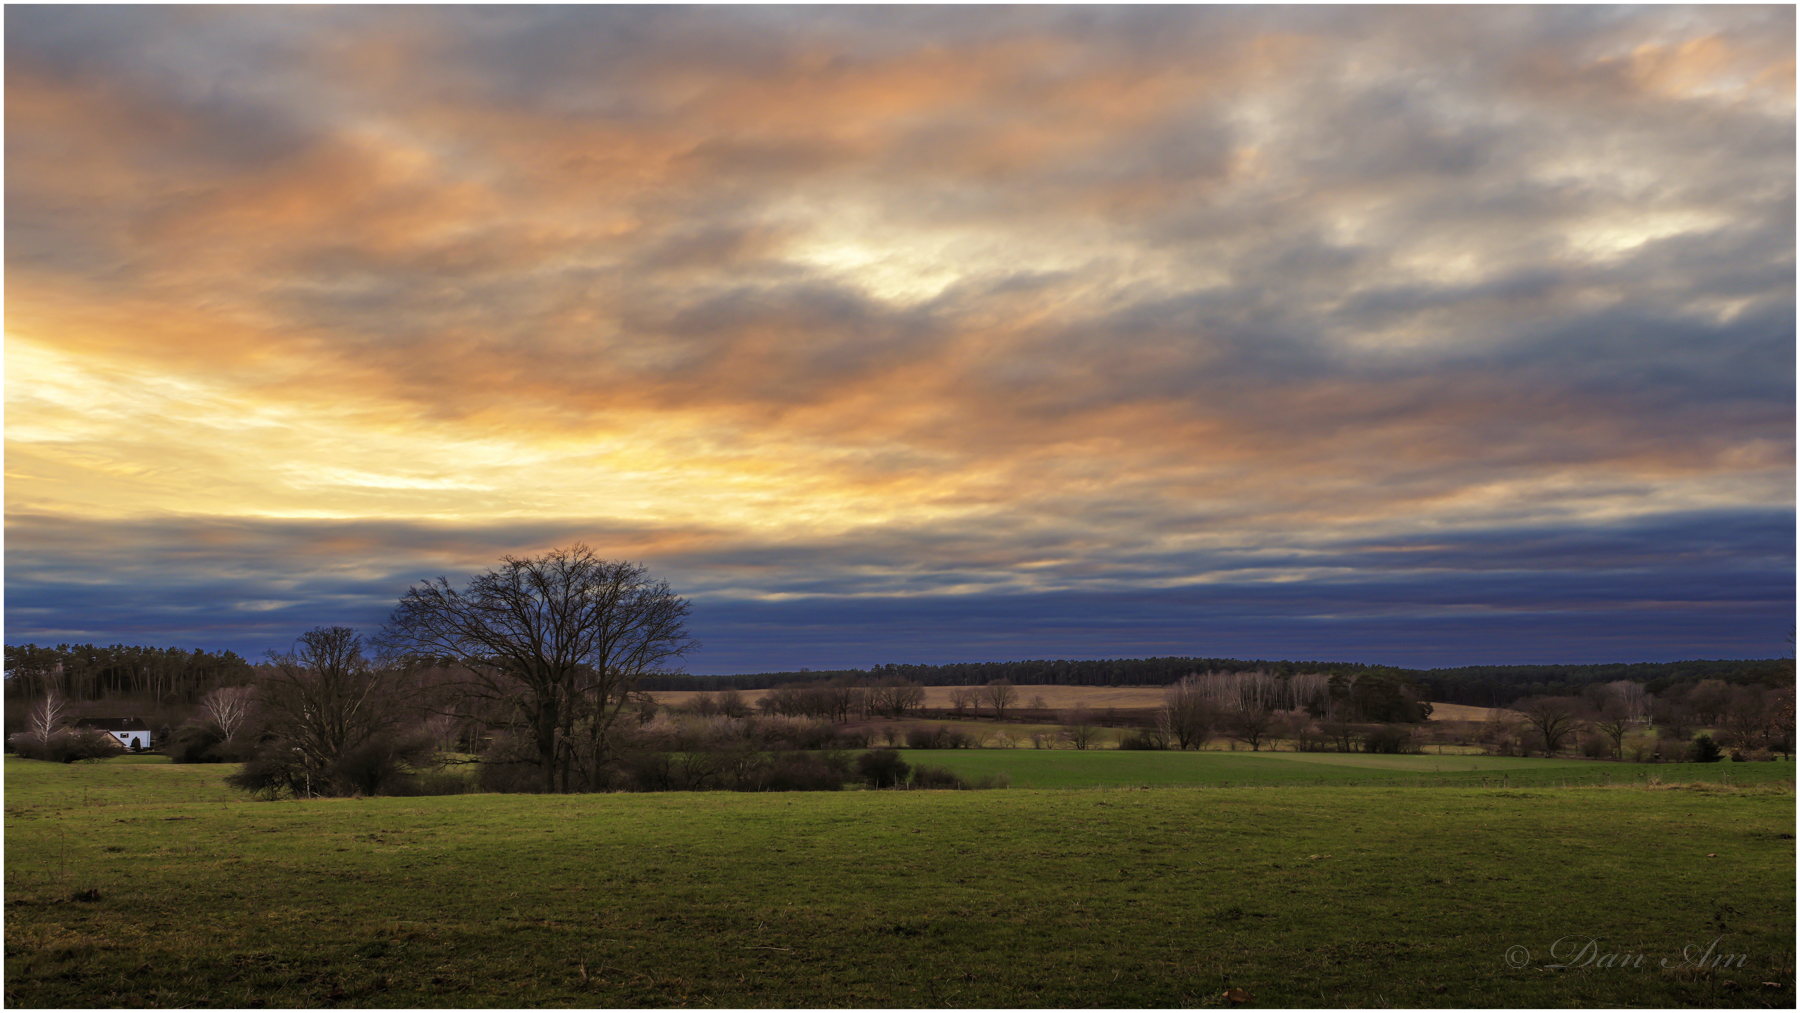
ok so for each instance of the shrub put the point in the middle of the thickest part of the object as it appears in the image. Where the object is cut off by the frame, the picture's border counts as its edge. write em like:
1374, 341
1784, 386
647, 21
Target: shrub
511, 767
798, 772
937, 777
380, 766
202, 744
988, 781
1307, 738
1704, 750
1388, 739
882, 768
69, 746
1595, 747
851, 739
272, 772
941, 737
1143, 739
432, 782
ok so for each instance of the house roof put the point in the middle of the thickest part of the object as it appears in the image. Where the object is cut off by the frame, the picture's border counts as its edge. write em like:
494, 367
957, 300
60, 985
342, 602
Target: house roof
114, 724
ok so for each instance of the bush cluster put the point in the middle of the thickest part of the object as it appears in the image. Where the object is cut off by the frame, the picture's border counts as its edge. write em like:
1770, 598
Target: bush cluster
278, 767
941, 737
734, 770
69, 746
884, 768
203, 744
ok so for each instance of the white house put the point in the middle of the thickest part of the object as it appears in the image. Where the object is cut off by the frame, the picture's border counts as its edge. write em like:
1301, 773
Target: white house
132, 733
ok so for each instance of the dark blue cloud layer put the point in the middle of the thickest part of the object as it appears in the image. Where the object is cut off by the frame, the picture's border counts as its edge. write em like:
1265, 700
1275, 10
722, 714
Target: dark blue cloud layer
1716, 584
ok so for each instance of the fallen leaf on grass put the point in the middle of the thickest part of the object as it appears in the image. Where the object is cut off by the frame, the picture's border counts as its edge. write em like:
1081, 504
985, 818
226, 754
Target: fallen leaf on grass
1318, 856
1237, 995
1713, 855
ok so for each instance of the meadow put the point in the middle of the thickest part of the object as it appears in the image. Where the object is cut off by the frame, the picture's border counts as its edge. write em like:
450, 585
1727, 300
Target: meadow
1214, 768
150, 884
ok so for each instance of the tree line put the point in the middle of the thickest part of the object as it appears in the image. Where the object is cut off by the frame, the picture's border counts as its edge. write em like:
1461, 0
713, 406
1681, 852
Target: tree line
89, 672
540, 665
173, 675
1479, 686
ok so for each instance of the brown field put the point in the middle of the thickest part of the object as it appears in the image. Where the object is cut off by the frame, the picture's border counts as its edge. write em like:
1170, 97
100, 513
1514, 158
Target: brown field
1055, 697
1095, 697
1464, 712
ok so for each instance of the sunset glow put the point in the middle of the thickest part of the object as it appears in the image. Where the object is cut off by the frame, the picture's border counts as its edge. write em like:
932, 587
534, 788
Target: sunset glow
1435, 336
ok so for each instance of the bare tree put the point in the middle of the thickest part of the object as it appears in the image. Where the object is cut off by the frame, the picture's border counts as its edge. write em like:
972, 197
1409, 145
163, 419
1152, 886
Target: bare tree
1745, 720
961, 700
1189, 715
1553, 717
228, 706
1633, 700
1709, 699
732, 705
1251, 724
1311, 692
894, 696
1614, 721
1000, 695
1079, 728
335, 714
1245, 703
46, 717
562, 637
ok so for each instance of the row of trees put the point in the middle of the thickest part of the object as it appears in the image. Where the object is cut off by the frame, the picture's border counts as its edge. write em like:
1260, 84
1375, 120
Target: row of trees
1255, 706
1482, 686
86, 672
839, 699
1061, 672
1624, 719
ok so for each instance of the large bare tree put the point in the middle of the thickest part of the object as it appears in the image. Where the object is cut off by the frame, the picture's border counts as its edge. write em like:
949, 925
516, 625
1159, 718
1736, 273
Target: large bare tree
1555, 718
333, 711
1000, 695
562, 638
1189, 714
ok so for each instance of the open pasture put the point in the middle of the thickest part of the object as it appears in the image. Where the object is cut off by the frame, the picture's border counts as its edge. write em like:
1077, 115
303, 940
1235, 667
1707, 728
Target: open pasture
119, 894
1213, 768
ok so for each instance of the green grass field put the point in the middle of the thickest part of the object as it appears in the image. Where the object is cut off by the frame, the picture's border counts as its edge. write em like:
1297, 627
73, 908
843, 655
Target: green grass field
136, 884
1069, 768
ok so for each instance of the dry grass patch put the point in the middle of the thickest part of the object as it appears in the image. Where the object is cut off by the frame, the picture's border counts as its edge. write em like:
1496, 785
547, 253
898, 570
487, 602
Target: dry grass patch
1056, 697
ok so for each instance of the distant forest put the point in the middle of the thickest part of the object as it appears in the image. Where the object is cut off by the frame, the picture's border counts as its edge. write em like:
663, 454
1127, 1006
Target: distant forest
173, 675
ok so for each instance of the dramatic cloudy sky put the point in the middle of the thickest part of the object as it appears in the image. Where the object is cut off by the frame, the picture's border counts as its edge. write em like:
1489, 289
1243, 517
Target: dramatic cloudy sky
1422, 336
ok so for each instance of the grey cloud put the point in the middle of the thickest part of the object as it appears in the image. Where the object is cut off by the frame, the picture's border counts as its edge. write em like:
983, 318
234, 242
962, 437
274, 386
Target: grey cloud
1721, 585
1234, 386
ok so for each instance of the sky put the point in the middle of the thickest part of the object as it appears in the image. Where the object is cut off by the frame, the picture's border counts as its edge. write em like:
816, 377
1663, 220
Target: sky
1419, 336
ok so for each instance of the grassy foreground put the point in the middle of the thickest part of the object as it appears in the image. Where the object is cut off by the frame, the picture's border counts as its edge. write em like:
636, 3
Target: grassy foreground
151, 885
